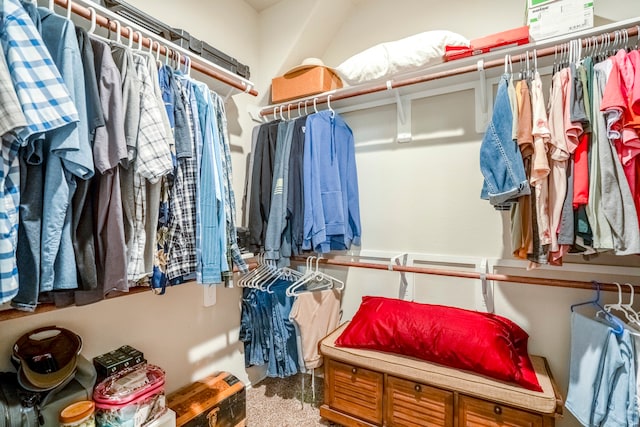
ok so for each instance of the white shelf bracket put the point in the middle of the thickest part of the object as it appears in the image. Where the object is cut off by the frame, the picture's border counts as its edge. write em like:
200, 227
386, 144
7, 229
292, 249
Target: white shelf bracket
403, 120
482, 99
406, 290
484, 293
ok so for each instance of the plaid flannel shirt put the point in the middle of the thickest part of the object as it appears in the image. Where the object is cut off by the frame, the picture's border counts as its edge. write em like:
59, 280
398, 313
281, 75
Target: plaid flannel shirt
152, 162
181, 259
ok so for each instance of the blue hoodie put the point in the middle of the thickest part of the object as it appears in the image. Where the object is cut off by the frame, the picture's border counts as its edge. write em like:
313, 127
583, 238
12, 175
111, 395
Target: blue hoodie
331, 206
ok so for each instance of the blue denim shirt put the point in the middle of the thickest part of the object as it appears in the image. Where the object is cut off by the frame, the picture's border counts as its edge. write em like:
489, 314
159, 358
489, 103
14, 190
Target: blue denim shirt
500, 160
210, 215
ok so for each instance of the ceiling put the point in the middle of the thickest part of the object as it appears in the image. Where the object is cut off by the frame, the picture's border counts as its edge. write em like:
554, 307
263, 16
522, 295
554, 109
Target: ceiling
260, 5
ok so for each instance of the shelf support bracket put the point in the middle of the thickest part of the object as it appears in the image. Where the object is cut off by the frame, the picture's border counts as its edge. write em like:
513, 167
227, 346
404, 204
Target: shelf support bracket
481, 97
403, 119
485, 297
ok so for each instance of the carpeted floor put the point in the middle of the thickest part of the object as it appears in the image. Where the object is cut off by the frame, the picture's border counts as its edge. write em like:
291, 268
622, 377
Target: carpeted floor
275, 402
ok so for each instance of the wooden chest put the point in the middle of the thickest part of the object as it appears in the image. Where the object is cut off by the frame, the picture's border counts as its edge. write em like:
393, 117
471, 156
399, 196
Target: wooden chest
218, 400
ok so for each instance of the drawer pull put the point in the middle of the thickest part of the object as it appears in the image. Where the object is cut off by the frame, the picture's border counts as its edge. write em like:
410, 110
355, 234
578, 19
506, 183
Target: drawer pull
418, 388
497, 410
354, 370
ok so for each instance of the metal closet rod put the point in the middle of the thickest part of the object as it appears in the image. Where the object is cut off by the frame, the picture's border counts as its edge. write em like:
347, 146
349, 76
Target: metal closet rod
146, 42
561, 283
394, 84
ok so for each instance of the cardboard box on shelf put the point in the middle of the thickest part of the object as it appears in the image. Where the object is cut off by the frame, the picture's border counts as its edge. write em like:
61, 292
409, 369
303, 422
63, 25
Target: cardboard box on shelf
551, 18
305, 82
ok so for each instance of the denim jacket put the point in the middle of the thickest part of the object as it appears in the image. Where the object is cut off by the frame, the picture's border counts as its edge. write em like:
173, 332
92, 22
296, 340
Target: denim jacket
500, 160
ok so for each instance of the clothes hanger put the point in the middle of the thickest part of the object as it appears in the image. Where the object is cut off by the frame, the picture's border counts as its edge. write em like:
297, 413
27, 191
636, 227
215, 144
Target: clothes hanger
187, 66
69, 3
284, 273
316, 280
616, 324
333, 113
299, 114
92, 17
305, 276
618, 306
52, 5
130, 37
139, 49
243, 282
629, 306
118, 30
265, 274
178, 62
315, 107
281, 115
305, 107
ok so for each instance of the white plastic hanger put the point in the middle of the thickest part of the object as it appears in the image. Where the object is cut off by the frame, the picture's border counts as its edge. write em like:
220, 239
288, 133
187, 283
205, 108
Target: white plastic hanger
315, 280
178, 62
69, 3
619, 307
187, 66
92, 15
130, 36
333, 113
139, 40
52, 4
315, 107
245, 278
629, 306
118, 35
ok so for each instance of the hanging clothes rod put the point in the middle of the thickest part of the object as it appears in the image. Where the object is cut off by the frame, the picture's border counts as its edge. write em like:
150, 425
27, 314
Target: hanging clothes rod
561, 283
107, 19
353, 92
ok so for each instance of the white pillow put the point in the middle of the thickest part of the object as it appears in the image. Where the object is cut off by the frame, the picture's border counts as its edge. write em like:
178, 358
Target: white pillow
385, 60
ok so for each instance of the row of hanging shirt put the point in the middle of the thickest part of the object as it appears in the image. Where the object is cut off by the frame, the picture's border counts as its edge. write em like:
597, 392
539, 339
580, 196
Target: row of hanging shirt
285, 313
568, 171
302, 190
120, 170
604, 385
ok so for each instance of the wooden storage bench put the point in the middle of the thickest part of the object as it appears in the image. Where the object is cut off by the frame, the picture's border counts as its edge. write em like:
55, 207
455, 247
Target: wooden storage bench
373, 388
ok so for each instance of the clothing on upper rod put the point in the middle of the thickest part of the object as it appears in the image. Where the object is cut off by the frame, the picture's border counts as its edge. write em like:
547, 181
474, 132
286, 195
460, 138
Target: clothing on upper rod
569, 172
105, 171
302, 189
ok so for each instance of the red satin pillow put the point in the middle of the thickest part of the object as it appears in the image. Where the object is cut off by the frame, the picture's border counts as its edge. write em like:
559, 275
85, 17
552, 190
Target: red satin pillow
484, 343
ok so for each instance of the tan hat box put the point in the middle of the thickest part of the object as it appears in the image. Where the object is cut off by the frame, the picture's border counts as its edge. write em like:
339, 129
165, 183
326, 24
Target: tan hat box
304, 82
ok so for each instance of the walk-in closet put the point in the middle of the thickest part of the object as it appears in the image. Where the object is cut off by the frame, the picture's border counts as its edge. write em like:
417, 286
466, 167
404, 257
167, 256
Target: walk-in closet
291, 213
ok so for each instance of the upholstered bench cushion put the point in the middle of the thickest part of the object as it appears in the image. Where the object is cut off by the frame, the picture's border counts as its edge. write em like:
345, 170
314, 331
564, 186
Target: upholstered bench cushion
448, 378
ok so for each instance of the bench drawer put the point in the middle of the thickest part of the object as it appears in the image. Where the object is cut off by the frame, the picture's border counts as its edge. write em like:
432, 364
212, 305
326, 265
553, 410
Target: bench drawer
354, 390
413, 404
480, 413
